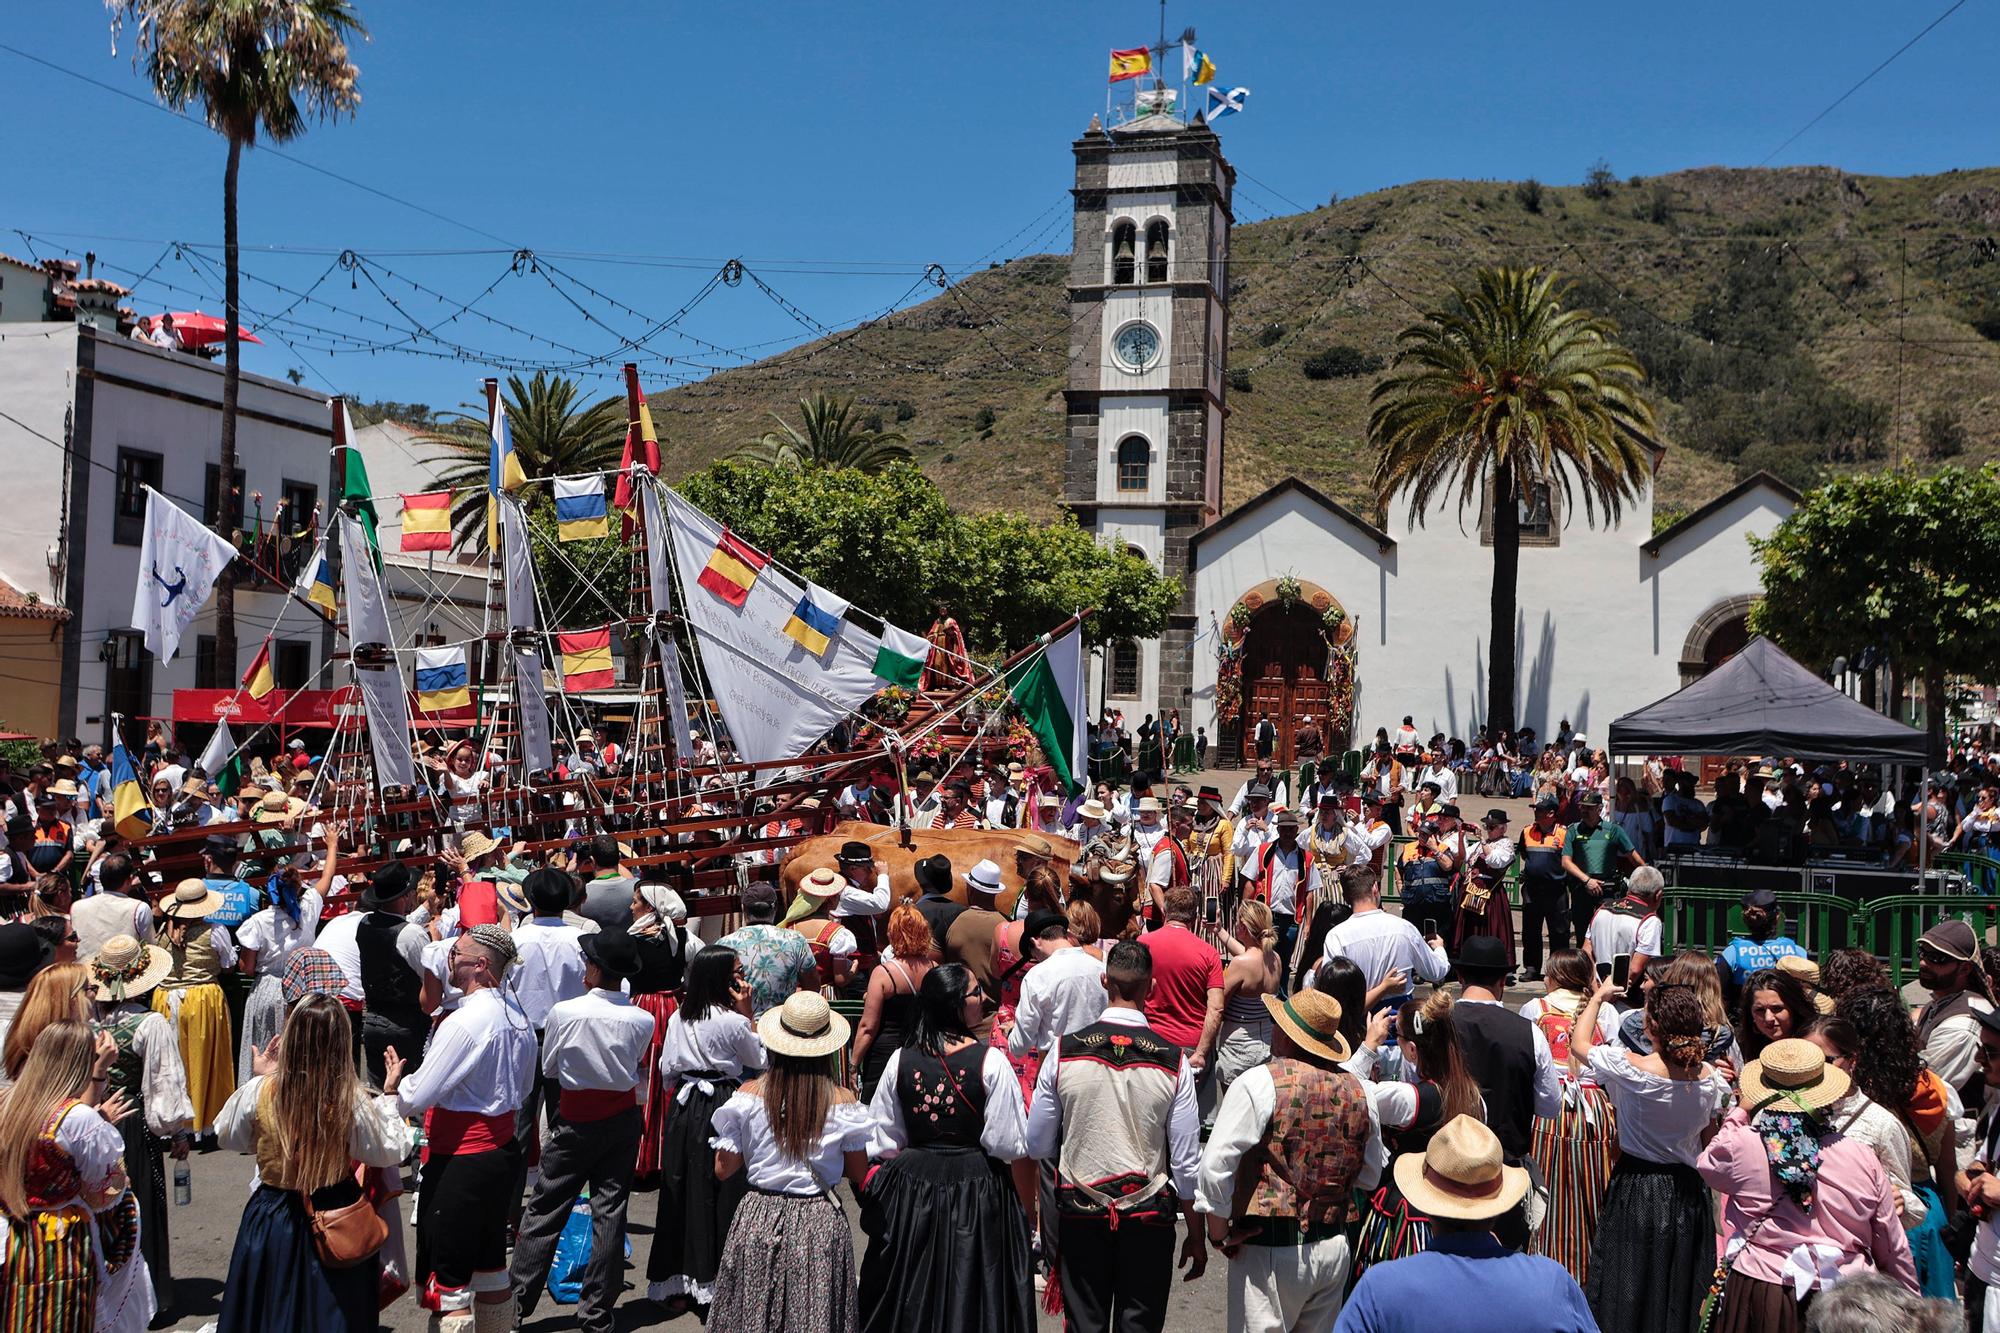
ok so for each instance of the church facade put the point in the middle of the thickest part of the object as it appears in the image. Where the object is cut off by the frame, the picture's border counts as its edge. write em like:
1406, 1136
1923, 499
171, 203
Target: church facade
1294, 605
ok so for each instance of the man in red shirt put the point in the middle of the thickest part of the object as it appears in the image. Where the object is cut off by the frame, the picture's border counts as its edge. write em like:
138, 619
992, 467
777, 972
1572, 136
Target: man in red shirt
1185, 1006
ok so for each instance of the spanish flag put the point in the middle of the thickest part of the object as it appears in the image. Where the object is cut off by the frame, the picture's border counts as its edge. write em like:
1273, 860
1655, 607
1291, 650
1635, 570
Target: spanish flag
443, 681
427, 521
1130, 64
580, 509
732, 570
586, 660
131, 813
816, 619
258, 680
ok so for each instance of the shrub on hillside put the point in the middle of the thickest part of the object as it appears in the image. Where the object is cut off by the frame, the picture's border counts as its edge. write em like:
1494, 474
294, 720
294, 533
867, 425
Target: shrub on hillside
1339, 362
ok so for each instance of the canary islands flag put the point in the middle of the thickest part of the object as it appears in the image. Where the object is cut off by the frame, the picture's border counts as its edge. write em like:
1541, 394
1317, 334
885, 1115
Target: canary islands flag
586, 660
442, 679
815, 620
581, 511
1130, 64
258, 680
732, 569
427, 521
503, 472
315, 581
131, 813
1196, 67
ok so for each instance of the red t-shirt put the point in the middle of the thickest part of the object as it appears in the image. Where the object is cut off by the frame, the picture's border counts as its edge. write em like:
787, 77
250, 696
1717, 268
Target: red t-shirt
1185, 968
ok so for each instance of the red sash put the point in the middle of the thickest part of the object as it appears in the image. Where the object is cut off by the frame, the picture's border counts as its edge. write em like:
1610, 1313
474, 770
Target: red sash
454, 1133
581, 1106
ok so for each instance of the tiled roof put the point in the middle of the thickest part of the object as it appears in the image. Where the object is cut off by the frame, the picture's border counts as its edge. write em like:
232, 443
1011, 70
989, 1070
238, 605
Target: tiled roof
7, 258
14, 605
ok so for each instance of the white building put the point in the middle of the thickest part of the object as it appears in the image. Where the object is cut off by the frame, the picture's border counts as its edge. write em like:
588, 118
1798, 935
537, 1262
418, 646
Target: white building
1610, 616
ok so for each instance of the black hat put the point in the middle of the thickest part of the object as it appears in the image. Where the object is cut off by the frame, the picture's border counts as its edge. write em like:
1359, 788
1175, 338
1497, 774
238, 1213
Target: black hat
1329, 794
1591, 799
24, 951
1209, 793
857, 851
1038, 922
1763, 898
1482, 953
1496, 816
934, 874
1450, 811
1548, 803
220, 843
392, 882
615, 952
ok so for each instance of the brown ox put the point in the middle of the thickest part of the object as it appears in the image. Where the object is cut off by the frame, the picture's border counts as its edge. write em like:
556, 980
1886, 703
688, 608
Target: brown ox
966, 848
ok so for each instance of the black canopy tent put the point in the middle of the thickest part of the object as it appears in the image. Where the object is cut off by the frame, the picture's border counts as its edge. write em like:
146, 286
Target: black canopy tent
1762, 702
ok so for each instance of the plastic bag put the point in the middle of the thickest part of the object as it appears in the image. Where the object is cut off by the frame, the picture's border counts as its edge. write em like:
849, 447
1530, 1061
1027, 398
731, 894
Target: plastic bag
572, 1255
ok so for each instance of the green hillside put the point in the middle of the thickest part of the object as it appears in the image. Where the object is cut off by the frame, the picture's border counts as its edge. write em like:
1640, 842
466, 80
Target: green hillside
1797, 319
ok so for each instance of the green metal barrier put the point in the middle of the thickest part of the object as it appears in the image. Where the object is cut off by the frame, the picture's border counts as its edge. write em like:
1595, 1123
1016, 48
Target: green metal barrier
1707, 919
1980, 870
1894, 924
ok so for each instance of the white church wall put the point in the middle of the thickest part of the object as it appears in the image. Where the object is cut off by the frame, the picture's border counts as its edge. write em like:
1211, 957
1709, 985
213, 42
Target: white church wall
1122, 417
1138, 528
1707, 564
1155, 305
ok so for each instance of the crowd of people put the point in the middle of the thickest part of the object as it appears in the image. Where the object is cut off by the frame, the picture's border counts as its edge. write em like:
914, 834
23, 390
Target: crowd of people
1262, 1066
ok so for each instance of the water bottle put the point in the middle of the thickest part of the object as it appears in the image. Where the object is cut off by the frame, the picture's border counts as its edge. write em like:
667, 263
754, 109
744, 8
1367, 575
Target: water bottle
183, 1183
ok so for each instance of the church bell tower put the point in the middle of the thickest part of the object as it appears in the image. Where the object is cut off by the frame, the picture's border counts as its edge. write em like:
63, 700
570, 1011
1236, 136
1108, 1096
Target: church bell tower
1149, 322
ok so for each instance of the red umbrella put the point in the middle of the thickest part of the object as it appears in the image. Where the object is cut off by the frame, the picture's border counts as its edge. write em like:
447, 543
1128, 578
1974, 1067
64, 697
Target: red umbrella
195, 329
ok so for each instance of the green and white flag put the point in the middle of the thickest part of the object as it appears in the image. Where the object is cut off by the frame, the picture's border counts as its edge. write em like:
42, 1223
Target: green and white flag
1050, 689
900, 660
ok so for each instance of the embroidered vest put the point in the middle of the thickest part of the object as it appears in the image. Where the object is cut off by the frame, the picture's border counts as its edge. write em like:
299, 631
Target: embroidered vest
1304, 1169
195, 960
1116, 1083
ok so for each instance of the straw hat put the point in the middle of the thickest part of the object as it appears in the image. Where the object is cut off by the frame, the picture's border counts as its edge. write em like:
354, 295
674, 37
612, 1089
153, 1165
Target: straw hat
1793, 1072
475, 845
818, 886
1312, 1019
1036, 846
1148, 805
1461, 1175
125, 968
62, 787
277, 806
190, 899
1092, 809
804, 1025
1807, 971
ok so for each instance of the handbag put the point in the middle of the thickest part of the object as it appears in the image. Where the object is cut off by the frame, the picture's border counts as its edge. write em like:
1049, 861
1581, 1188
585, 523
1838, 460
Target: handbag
345, 1237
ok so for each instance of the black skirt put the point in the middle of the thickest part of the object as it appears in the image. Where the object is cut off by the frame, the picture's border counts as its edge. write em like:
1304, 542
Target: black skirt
696, 1209
947, 1246
143, 1163
1654, 1254
277, 1281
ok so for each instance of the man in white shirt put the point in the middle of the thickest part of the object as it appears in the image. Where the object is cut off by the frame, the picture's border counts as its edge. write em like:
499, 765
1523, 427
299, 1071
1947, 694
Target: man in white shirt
1000, 807
1436, 770
1147, 828
594, 1050
920, 802
864, 895
549, 969
859, 800
1379, 943
1255, 830
1265, 778
1276, 871
1092, 821
1631, 925
1062, 992
481, 1062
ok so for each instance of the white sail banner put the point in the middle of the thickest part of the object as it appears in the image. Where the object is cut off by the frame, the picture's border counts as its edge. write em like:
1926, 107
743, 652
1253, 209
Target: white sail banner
778, 690
383, 693
519, 570
660, 574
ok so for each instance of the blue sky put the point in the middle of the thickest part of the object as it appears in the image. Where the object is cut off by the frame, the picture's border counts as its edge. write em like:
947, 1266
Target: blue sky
840, 148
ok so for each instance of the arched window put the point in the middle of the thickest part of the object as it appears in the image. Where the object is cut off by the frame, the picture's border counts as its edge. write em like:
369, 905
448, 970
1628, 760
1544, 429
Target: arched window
1135, 463
1156, 250
1125, 668
1124, 254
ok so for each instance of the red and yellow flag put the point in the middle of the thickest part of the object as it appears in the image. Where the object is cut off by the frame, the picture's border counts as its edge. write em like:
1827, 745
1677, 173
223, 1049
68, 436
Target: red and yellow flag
427, 521
1130, 64
732, 570
258, 680
586, 660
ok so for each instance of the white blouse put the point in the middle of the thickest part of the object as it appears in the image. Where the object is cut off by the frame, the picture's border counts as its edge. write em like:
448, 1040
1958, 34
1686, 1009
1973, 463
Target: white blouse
1004, 1135
1659, 1119
743, 1126
276, 937
722, 1040
163, 1078
377, 1135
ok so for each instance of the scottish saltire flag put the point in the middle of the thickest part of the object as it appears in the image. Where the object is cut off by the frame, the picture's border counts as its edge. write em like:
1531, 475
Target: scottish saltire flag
443, 682
1222, 103
179, 562
816, 619
315, 581
581, 510
900, 660
131, 812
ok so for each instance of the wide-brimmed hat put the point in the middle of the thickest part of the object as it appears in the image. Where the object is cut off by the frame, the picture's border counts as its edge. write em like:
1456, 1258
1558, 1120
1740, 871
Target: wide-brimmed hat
68, 761
1461, 1175
1495, 816
1034, 845
124, 968
24, 951
856, 851
191, 787
983, 878
66, 787
1286, 818
1312, 1019
386, 886
475, 845
512, 899
191, 898
614, 952
1209, 793
804, 1025
822, 883
1148, 805
933, 874
1807, 971
1092, 809
1792, 1072
277, 806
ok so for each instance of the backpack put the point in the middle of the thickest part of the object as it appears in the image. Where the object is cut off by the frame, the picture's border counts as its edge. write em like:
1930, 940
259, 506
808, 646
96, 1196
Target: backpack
1556, 1027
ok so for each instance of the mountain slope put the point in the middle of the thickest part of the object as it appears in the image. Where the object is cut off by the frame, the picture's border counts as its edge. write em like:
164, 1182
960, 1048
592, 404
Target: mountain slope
1795, 319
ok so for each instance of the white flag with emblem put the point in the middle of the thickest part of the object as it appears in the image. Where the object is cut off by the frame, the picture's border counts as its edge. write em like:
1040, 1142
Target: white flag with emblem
179, 562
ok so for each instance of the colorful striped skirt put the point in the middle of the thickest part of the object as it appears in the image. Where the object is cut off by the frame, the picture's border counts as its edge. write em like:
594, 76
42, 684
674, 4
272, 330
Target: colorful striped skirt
1575, 1152
646, 1175
48, 1282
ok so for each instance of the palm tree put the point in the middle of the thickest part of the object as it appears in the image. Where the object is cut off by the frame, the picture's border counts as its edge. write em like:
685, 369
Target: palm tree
251, 66
833, 437
554, 434
1503, 391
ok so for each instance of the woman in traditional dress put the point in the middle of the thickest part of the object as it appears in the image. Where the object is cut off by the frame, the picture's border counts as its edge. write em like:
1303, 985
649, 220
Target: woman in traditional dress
889, 1009
148, 1074
69, 1261
1654, 1251
1575, 1150
191, 995
788, 1266
708, 1046
266, 941
948, 1240
659, 931
308, 1120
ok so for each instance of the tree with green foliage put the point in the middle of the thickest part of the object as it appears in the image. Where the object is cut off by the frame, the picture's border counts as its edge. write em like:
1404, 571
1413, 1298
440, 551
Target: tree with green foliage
888, 542
1893, 560
251, 67
1503, 389
830, 434
555, 434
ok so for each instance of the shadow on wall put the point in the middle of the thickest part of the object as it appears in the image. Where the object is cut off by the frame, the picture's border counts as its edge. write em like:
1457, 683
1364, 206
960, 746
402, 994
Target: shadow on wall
1532, 676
